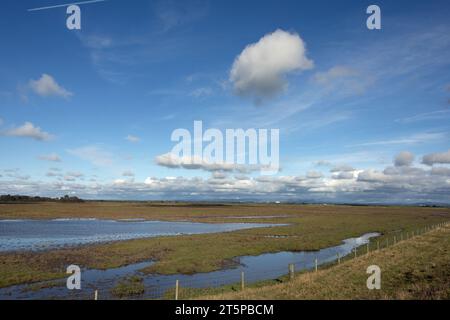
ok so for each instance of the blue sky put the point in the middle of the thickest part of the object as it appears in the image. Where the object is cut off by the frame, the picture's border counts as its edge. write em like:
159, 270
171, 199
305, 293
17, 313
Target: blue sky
87, 112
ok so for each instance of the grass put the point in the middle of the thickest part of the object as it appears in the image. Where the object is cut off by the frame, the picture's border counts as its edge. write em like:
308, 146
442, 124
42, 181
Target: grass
43, 285
311, 227
129, 287
417, 268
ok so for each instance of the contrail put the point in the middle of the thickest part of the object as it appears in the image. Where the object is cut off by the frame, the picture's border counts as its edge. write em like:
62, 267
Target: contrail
65, 5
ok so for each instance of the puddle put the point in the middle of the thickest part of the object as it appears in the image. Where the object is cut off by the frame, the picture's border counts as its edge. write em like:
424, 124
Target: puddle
256, 268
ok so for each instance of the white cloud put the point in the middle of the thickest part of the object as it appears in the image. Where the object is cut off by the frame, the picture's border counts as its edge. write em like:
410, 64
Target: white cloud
314, 175
435, 158
371, 176
261, 68
52, 173
93, 154
28, 130
342, 168
132, 139
47, 86
75, 174
344, 175
440, 171
404, 158
219, 175
170, 160
50, 157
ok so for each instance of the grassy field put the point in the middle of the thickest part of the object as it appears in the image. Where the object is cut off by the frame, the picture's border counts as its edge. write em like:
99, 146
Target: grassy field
311, 227
417, 268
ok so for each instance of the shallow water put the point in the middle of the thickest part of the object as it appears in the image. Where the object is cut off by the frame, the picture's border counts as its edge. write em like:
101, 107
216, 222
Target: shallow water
256, 268
37, 235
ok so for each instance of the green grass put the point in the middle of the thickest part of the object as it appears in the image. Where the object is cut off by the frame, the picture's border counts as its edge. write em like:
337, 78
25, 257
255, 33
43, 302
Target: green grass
310, 228
129, 287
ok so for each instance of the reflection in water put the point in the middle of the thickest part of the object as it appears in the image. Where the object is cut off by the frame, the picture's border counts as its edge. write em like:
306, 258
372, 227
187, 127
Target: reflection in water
256, 268
50, 234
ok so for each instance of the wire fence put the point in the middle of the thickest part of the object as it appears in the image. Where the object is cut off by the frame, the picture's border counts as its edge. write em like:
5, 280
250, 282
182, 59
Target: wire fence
185, 286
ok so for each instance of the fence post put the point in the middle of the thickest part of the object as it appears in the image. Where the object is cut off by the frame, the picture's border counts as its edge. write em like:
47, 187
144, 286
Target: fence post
368, 244
291, 271
338, 258
354, 252
242, 280
177, 284
316, 264
96, 295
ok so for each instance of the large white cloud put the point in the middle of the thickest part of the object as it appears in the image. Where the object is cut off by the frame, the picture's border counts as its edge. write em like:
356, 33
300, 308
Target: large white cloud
28, 130
47, 86
260, 70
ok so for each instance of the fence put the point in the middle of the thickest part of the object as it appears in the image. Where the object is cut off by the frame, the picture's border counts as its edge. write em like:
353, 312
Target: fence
184, 288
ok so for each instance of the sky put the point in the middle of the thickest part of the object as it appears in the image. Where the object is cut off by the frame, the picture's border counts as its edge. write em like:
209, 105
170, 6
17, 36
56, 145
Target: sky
363, 115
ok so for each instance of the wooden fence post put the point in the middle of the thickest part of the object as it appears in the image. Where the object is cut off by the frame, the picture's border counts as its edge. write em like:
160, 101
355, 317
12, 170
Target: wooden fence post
291, 271
177, 284
316, 264
96, 295
338, 258
242, 280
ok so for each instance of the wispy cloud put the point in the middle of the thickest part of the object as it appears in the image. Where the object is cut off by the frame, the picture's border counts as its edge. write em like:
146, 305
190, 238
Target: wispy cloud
132, 139
433, 115
172, 14
413, 139
53, 157
94, 154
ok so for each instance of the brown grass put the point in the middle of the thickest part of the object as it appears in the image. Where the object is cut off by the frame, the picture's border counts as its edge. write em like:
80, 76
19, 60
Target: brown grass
417, 268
